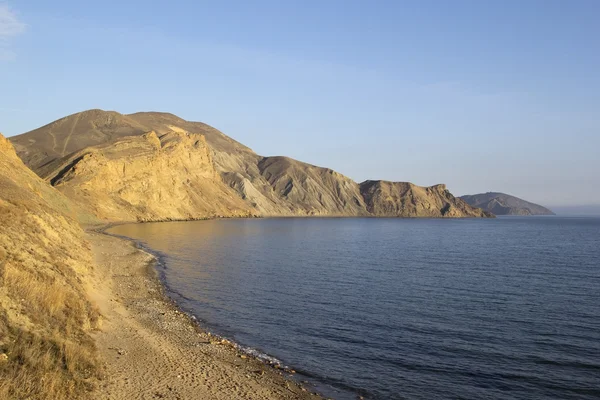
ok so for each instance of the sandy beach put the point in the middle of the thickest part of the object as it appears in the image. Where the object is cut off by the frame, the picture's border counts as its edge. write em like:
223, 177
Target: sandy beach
151, 350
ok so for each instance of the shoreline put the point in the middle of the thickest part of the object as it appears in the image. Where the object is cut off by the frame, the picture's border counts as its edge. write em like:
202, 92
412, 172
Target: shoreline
156, 271
154, 264
142, 326
103, 227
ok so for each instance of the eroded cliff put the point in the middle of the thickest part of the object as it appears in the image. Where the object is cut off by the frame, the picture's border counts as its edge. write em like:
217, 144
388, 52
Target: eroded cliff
404, 199
146, 178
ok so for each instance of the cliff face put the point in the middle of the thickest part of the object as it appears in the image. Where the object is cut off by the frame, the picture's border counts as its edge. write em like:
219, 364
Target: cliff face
146, 178
403, 199
45, 349
162, 186
272, 186
504, 204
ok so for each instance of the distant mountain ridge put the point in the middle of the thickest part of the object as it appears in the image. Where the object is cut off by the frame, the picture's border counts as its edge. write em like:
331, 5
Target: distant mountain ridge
157, 166
504, 204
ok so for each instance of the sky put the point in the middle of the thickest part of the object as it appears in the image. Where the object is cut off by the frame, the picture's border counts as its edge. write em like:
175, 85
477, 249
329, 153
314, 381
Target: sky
479, 95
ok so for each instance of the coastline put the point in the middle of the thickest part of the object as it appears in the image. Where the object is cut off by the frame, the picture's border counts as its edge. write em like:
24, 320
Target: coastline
141, 322
149, 348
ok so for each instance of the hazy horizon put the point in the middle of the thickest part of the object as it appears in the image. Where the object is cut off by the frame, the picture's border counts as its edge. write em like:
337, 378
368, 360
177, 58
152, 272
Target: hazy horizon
481, 97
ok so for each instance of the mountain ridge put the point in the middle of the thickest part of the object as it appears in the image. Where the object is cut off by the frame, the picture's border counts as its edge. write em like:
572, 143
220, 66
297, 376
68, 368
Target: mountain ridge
505, 204
267, 186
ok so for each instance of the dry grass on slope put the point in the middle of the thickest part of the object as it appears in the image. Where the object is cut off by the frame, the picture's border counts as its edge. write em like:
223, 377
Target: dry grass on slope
45, 349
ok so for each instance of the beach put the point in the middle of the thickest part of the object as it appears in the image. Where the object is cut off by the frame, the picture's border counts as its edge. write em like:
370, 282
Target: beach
149, 349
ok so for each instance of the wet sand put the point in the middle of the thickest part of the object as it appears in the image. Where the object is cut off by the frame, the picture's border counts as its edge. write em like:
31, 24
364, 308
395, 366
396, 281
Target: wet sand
151, 350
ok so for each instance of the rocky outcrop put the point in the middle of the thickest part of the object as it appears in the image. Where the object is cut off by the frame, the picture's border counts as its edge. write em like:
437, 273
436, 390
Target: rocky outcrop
265, 186
403, 199
146, 178
45, 317
504, 204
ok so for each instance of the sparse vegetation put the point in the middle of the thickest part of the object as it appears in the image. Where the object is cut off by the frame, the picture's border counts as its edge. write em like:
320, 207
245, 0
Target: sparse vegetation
45, 318
44, 365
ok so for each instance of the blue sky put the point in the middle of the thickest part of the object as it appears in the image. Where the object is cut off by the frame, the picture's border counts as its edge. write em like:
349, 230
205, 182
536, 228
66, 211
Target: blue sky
480, 95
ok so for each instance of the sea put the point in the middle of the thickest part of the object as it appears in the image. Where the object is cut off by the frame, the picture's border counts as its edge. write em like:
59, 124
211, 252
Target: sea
504, 308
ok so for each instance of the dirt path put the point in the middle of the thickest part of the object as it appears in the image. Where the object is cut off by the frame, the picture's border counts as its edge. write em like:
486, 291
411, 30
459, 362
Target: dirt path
152, 351
64, 151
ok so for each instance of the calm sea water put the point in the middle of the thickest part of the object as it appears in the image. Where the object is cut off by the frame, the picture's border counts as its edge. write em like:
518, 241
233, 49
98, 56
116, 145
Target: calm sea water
400, 308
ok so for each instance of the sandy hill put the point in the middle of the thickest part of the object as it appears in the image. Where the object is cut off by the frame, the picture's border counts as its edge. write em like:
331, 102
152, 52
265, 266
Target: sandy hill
45, 317
504, 204
267, 186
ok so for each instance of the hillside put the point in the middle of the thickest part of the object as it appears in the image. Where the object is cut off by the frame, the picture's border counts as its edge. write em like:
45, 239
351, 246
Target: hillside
504, 204
264, 186
146, 178
72, 133
45, 318
403, 199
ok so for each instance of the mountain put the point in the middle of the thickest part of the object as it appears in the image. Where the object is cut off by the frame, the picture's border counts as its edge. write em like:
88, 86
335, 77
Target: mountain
157, 166
504, 204
403, 199
72, 133
45, 318
146, 178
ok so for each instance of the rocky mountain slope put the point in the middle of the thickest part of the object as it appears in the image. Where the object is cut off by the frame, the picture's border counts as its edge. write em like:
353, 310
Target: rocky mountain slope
267, 186
403, 199
146, 178
45, 318
504, 204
